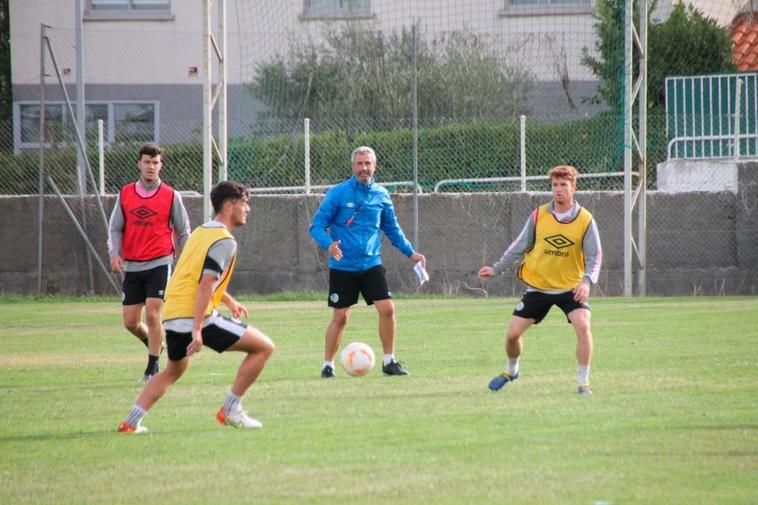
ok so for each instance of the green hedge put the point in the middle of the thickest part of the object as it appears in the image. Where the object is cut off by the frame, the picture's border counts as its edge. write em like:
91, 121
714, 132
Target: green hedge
448, 152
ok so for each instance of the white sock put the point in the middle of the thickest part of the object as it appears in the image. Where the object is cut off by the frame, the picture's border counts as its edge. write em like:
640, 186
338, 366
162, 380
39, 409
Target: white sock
388, 358
329, 363
512, 368
582, 374
232, 402
135, 415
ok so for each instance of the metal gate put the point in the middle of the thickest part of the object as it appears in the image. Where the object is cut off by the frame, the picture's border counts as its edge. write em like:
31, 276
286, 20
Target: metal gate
712, 116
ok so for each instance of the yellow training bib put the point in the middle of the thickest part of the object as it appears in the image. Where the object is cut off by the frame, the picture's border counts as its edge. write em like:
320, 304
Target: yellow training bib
556, 261
183, 285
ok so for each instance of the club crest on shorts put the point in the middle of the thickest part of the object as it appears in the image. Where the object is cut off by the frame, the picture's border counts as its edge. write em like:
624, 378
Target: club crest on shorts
520, 305
334, 297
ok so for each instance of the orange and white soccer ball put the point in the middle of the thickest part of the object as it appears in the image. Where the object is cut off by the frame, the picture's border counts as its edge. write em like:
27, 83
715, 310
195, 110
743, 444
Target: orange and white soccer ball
357, 358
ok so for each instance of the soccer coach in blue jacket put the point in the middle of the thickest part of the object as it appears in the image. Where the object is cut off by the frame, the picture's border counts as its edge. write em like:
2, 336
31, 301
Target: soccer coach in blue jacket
347, 225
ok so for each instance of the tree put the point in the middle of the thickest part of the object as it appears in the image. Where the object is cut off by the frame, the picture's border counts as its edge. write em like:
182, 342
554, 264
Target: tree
687, 43
6, 98
360, 75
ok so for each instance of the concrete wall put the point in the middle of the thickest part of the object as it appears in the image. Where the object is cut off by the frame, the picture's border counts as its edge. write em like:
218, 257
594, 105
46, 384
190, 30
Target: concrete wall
683, 175
698, 243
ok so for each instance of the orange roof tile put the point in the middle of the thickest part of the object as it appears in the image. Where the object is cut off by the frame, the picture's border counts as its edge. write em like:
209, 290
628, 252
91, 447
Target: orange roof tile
742, 49
745, 41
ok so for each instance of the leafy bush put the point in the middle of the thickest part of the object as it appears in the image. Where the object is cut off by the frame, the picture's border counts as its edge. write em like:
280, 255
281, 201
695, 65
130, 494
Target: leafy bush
454, 151
356, 74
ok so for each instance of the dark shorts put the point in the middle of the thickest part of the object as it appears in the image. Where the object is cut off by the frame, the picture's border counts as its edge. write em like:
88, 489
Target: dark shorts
138, 286
536, 305
219, 336
344, 286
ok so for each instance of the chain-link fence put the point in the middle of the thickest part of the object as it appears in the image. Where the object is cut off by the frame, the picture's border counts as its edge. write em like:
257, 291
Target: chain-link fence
464, 74
472, 96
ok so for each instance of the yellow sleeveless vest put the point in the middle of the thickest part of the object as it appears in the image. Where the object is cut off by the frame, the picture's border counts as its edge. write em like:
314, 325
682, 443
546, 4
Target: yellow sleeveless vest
183, 285
556, 261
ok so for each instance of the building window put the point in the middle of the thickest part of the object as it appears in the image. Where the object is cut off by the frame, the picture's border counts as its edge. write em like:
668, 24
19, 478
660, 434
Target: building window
128, 9
124, 122
535, 7
337, 8
55, 127
92, 113
134, 122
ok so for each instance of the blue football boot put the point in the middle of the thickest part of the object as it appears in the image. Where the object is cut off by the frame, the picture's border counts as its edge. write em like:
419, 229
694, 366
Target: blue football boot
501, 380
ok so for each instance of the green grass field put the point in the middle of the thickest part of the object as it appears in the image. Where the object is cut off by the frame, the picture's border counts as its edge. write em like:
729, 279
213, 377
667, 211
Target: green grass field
674, 417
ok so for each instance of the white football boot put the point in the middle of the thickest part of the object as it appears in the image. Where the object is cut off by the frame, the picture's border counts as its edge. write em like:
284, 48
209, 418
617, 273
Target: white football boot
237, 418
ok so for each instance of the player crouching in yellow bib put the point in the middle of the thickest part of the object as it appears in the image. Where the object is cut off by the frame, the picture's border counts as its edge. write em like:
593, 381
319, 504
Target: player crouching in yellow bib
559, 255
196, 289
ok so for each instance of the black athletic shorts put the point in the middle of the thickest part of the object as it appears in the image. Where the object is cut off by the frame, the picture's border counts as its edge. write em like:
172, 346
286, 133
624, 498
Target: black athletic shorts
219, 336
536, 305
138, 286
344, 286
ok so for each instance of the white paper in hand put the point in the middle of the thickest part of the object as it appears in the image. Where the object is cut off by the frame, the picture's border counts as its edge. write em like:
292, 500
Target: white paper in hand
421, 273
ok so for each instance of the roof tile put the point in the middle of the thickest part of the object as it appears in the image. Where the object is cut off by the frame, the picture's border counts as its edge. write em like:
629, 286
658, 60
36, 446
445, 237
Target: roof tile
745, 42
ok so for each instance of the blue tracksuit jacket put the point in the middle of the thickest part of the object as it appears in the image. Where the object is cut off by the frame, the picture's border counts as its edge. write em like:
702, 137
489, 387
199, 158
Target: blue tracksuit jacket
354, 214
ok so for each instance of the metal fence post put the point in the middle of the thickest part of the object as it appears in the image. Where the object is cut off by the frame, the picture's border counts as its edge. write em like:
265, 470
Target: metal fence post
41, 175
307, 154
522, 134
414, 111
101, 154
737, 111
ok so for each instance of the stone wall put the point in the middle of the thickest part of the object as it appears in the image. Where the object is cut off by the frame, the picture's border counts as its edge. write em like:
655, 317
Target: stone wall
697, 243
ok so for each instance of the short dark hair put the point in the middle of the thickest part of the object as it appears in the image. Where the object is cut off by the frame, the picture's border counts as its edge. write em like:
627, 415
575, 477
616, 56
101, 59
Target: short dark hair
151, 150
226, 190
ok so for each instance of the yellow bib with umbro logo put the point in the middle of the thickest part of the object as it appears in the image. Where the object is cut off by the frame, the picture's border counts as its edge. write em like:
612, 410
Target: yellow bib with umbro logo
556, 261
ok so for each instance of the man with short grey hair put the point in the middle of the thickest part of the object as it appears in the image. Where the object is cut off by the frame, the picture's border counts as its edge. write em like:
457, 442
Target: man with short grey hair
348, 225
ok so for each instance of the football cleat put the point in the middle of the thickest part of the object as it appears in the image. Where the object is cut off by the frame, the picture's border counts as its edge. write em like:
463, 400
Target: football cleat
584, 389
501, 380
237, 418
128, 428
394, 368
327, 372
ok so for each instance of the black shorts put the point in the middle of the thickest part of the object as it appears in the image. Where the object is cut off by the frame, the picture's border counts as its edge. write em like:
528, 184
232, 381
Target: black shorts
219, 336
138, 286
344, 286
536, 305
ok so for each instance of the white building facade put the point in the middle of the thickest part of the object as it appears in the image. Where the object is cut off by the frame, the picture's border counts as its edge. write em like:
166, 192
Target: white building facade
143, 58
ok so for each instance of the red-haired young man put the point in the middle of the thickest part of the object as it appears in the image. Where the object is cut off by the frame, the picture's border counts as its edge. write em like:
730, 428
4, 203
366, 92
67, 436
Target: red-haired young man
559, 255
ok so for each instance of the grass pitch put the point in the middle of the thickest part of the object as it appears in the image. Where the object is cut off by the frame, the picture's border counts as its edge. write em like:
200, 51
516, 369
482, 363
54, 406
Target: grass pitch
674, 417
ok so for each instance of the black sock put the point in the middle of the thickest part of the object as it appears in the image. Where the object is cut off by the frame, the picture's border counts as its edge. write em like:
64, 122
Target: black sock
152, 365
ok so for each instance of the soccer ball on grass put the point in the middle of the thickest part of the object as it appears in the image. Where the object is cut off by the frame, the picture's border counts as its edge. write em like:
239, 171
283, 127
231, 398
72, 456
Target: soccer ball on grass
357, 358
